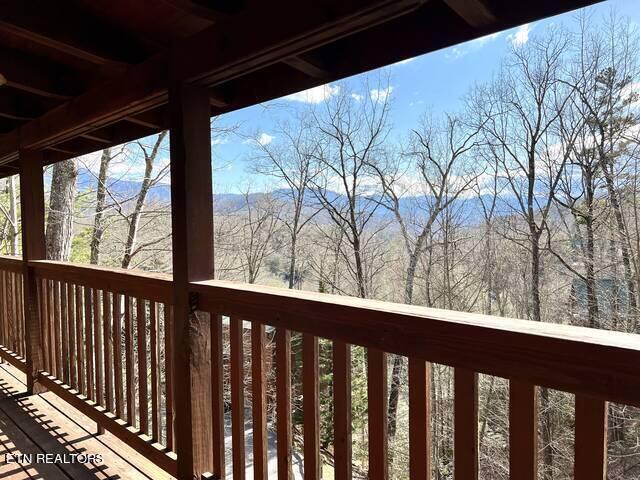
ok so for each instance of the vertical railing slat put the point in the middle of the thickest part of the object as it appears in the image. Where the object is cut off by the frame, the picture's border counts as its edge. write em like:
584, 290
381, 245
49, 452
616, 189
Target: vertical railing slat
88, 339
154, 354
44, 320
590, 439
80, 341
129, 361
143, 389
419, 419
168, 358
377, 392
98, 346
107, 312
237, 397
217, 395
342, 410
523, 431
71, 310
283, 403
64, 317
57, 324
465, 424
259, 402
311, 406
117, 355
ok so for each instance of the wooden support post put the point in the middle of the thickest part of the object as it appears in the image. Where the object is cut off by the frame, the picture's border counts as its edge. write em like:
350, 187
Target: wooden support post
192, 221
33, 248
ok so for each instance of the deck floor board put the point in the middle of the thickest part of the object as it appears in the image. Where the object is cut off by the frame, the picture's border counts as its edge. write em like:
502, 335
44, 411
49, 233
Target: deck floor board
45, 424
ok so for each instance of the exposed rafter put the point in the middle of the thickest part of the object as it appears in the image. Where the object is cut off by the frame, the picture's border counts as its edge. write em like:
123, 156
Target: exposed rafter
35, 75
308, 67
475, 12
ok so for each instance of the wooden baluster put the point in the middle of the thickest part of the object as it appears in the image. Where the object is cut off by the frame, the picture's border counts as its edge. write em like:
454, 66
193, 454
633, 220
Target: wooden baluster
3, 308
64, 318
259, 402
523, 431
378, 394
10, 308
107, 311
129, 361
143, 389
465, 424
168, 359
23, 337
98, 345
57, 323
44, 322
217, 395
88, 339
590, 439
80, 341
71, 312
342, 409
155, 377
117, 355
283, 403
17, 318
419, 419
237, 397
311, 406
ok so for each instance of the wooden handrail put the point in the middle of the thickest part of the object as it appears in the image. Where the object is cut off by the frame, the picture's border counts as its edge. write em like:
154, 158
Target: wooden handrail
568, 358
136, 283
11, 263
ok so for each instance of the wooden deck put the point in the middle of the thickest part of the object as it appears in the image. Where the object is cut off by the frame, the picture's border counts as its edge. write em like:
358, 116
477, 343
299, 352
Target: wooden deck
45, 424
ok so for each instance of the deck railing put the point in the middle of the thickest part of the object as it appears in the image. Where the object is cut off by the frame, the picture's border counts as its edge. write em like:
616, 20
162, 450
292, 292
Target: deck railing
105, 347
96, 321
12, 325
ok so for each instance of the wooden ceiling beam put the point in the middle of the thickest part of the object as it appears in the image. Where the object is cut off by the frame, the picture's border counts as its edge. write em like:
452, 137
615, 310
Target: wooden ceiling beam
37, 76
476, 13
67, 48
308, 67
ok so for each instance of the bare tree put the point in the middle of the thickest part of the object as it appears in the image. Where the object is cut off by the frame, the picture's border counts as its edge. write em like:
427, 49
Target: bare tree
131, 247
259, 217
290, 162
101, 197
351, 132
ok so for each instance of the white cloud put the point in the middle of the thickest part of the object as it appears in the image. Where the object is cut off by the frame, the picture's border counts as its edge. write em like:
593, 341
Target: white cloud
262, 139
219, 141
315, 95
356, 96
265, 139
381, 94
460, 51
521, 35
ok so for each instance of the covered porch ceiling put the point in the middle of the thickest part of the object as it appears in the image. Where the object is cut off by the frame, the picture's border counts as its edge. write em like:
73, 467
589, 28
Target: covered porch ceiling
78, 76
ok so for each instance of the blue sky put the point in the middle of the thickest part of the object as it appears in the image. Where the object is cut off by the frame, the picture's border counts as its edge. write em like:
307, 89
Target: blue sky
434, 82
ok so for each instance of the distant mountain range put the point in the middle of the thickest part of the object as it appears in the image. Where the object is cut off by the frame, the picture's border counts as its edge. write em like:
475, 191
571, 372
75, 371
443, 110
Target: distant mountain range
468, 209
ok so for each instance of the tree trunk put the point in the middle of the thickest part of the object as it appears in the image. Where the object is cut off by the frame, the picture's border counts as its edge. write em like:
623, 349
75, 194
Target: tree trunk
59, 232
13, 215
101, 194
134, 221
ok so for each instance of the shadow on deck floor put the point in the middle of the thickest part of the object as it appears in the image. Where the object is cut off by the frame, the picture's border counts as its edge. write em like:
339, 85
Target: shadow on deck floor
44, 424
